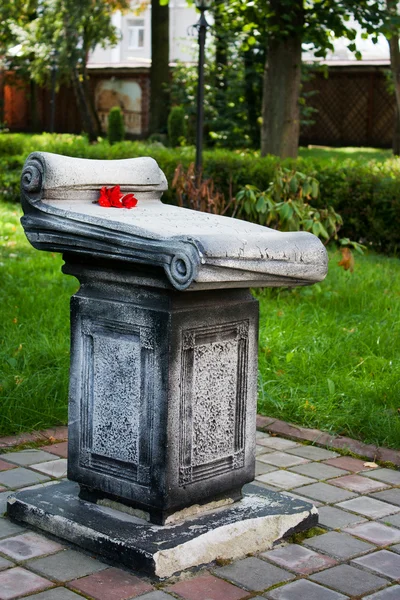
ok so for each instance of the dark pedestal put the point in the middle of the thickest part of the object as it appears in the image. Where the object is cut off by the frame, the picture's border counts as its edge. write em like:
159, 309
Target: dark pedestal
162, 390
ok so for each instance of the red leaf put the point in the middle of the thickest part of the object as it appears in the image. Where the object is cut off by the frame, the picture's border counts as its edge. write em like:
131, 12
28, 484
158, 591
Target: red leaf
114, 195
103, 199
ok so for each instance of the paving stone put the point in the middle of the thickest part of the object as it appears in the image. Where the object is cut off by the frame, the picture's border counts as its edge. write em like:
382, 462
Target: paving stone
261, 435
392, 496
299, 559
349, 580
382, 562
304, 590
318, 470
369, 507
335, 518
284, 479
161, 596
60, 449
302, 498
28, 545
339, 545
359, 484
281, 459
111, 584
263, 450
24, 458
20, 477
278, 443
53, 468
3, 501
8, 528
376, 533
207, 586
66, 565
17, 582
262, 468
5, 564
254, 574
313, 452
5, 466
389, 593
56, 594
392, 520
348, 464
324, 492
386, 475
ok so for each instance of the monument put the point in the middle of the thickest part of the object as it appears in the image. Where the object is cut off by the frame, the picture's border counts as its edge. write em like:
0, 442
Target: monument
163, 379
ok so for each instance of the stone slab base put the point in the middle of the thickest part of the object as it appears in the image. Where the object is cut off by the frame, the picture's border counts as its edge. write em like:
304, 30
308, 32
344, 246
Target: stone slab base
248, 526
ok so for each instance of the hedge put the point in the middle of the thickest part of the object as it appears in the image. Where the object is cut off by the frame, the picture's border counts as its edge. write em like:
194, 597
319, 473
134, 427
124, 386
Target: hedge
365, 193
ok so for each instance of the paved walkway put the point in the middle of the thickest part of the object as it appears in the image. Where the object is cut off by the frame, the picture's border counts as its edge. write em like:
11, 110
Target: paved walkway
356, 554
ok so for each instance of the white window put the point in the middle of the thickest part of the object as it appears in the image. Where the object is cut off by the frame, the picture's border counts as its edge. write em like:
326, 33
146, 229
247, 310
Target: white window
136, 34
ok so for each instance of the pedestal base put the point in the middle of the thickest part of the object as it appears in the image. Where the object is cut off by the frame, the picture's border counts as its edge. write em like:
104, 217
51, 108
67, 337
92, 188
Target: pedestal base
248, 526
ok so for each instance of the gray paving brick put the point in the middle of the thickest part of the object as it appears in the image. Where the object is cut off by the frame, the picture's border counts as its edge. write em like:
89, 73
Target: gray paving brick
57, 594
8, 528
281, 459
335, 518
313, 452
324, 492
390, 593
304, 590
382, 562
21, 477
392, 496
385, 475
254, 574
369, 507
284, 479
318, 470
349, 580
339, 545
66, 565
376, 533
278, 443
393, 520
5, 564
24, 458
3, 501
53, 468
262, 468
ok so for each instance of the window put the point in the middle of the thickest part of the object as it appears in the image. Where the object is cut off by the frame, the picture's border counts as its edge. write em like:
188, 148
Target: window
136, 34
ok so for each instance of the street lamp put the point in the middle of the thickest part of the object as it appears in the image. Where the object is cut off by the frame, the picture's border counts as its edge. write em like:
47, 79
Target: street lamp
53, 68
201, 27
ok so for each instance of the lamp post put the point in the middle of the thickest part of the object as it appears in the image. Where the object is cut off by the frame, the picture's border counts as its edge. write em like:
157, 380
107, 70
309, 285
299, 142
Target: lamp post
201, 27
54, 55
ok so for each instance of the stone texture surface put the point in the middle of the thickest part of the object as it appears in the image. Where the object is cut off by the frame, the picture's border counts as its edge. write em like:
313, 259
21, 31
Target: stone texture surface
304, 590
8, 528
335, 518
277, 443
313, 453
284, 479
318, 471
52, 468
355, 465
282, 459
21, 477
5, 465
28, 545
299, 559
390, 593
26, 458
324, 492
60, 449
369, 507
207, 586
55, 594
18, 582
5, 564
386, 475
376, 533
339, 545
392, 496
382, 562
111, 584
349, 580
356, 483
254, 574
66, 565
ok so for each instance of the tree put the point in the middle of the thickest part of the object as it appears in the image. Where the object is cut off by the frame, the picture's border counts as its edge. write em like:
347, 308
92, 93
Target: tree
391, 31
71, 28
159, 70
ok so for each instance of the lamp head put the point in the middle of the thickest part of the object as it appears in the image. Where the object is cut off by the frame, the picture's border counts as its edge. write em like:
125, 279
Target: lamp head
203, 5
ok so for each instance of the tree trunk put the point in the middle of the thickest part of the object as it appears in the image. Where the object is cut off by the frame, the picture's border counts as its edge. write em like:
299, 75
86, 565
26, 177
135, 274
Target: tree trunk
395, 68
159, 71
2, 89
251, 86
281, 87
83, 105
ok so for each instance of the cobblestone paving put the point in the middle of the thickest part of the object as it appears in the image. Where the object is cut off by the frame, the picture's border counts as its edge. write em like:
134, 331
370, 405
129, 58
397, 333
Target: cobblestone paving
355, 554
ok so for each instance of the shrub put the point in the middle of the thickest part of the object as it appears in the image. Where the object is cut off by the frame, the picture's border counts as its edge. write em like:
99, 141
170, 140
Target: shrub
176, 126
116, 127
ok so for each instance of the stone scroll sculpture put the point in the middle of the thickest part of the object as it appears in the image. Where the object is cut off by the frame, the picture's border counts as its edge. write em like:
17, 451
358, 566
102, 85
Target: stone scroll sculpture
163, 380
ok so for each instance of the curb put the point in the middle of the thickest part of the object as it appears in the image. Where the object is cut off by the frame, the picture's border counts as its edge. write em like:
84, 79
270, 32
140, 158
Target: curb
327, 440
268, 424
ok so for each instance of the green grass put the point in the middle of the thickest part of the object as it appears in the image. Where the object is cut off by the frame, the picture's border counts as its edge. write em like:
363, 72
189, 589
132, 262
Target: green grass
324, 153
329, 354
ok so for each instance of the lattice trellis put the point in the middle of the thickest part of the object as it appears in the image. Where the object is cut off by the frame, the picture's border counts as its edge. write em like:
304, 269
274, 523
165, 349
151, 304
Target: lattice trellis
353, 108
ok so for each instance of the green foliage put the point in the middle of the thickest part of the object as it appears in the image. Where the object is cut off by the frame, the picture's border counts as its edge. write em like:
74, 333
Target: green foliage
116, 127
177, 126
363, 190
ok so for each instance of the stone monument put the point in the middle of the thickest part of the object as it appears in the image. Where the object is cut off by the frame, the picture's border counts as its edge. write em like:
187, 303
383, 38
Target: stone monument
162, 406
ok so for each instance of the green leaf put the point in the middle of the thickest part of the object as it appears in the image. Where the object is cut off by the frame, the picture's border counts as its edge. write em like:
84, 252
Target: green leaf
314, 188
289, 357
331, 387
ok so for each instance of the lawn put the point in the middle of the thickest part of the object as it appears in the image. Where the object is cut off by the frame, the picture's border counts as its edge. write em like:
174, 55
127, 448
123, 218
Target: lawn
329, 354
